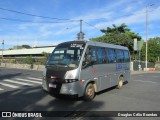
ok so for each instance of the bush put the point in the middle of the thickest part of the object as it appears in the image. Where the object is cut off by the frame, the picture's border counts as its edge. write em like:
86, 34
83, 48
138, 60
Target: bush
28, 60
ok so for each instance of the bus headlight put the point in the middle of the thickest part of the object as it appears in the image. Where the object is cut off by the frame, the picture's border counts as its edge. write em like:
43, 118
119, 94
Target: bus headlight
70, 80
70, 76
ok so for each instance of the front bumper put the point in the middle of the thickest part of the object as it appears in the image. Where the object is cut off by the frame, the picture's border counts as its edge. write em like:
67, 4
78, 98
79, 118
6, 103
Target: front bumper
71, 89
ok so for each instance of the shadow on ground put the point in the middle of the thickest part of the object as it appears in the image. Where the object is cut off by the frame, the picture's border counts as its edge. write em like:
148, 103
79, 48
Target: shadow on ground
35, 99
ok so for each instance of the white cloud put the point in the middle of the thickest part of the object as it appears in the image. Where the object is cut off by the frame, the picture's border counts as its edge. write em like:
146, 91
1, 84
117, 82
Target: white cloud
128, 9
154, 14
31, 40
112, 12
136, 18
60, 28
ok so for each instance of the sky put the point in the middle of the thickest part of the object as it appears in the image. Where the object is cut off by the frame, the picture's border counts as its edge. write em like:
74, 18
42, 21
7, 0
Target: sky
50, 22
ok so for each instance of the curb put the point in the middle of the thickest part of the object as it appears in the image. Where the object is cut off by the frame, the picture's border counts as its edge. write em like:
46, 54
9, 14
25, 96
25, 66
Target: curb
22, 66
143, 72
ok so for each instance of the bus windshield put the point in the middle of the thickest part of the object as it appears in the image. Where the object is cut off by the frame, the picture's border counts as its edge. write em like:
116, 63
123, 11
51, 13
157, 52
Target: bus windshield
67, 55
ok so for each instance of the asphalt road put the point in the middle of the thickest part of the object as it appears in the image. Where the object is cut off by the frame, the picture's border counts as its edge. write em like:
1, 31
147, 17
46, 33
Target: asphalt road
20, 90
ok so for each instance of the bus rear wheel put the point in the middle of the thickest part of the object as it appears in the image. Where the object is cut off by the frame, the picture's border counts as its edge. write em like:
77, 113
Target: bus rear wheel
89, 92
120, 83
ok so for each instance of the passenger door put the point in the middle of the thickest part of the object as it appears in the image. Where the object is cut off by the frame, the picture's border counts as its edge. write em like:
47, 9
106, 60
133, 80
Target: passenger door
101, 68
111, 66
88, 71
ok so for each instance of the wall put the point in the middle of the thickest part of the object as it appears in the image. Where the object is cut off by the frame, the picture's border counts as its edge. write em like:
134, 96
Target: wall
23, 66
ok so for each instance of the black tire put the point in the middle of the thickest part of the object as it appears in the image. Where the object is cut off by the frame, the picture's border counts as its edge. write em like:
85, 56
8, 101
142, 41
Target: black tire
89, 92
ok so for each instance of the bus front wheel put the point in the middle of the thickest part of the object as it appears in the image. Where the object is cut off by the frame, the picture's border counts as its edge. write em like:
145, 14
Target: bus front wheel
89, 92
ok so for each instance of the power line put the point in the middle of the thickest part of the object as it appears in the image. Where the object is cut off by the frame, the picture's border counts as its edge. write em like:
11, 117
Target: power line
118, 16
66, 20
28, 21
91, 25
69, 20
31, 14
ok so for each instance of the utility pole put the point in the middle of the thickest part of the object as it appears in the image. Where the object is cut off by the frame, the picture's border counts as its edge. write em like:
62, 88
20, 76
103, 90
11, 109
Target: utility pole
146, 36
81, 26
80, 35
2, 49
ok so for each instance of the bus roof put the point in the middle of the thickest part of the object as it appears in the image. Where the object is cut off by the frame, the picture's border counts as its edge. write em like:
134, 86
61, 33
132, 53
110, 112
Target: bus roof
100, 44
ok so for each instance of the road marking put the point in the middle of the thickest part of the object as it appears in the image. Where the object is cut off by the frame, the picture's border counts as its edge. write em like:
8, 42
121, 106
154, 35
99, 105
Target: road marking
145, 81
29, 81
155, 76
1, 89
21, 83
9, 85
140, 75
34, 78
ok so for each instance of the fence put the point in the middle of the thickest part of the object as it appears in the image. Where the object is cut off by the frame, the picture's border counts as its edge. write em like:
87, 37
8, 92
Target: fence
143, 65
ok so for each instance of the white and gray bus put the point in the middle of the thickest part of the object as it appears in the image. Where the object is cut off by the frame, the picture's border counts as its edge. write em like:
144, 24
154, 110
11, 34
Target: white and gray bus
83, 68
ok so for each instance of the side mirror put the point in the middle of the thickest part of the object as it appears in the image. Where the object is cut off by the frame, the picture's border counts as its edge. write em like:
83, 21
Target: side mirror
89, 60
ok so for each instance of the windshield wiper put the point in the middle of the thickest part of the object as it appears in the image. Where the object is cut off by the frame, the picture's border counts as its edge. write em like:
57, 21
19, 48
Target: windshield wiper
63, 64
50, 64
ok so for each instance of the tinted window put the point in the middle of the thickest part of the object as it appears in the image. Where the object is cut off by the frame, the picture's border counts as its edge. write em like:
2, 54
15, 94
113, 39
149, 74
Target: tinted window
66, 55
120, 56
90, 56
101, 55
111, 55
93, 54
126, 56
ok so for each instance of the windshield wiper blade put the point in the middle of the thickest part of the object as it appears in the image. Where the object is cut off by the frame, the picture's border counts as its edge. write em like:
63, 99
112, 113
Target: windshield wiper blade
63, 64
50, 64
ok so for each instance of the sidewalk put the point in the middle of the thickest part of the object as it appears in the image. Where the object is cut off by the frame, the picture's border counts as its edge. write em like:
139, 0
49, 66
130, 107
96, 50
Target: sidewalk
141, 72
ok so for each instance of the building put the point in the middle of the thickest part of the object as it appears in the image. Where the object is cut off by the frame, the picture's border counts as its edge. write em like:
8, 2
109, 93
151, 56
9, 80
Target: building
37, 51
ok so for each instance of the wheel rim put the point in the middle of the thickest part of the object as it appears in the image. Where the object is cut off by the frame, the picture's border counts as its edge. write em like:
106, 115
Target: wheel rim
120, 84
90, 92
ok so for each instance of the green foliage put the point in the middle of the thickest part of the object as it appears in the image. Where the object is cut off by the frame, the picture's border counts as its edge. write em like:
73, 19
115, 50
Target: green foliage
46, 55
20, 47
26, 46
27, 60
153, 50
120, 35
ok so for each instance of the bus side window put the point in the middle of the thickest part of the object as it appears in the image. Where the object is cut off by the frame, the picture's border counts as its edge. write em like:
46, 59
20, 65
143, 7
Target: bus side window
101, 56
120, 56
93, 55
90, 56
126, 56
111, 55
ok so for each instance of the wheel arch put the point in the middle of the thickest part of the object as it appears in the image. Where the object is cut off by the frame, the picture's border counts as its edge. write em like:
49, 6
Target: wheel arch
121, 76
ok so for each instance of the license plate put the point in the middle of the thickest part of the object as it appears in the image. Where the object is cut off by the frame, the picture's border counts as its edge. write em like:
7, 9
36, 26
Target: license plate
52, 85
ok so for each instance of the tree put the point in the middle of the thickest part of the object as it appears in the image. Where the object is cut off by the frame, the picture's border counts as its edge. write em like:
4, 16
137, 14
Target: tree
46, 55
153, 50
20, 47
26, 46
120, 35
